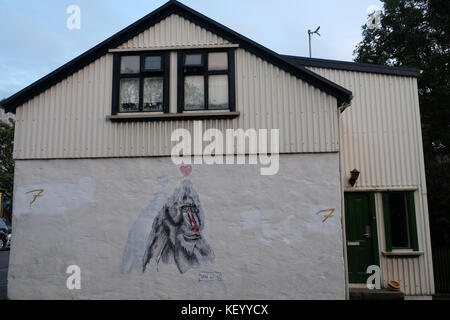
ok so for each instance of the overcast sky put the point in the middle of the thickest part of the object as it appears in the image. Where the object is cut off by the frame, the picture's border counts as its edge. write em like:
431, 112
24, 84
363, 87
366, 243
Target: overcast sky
36, 41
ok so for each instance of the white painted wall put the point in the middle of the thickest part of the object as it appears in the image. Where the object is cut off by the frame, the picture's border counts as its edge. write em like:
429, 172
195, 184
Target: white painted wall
268, 241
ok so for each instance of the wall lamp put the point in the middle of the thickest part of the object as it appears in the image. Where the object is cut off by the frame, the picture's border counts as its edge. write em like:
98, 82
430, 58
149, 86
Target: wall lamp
354, 177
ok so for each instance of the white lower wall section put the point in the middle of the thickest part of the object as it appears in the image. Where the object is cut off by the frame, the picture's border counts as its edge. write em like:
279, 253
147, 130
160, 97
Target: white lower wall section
257, 237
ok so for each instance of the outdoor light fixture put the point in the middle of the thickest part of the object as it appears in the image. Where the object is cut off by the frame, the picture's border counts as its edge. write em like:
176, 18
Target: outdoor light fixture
354, 177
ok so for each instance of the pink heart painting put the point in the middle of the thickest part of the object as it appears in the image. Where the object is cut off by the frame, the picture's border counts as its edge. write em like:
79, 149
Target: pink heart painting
186, 170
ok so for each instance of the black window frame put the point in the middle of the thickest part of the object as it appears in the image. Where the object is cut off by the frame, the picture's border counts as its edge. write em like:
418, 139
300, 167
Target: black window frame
410, 218
202, 70
164, 72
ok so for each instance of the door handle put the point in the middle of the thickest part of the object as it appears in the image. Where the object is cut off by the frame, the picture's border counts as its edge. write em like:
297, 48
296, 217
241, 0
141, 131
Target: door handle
353, 244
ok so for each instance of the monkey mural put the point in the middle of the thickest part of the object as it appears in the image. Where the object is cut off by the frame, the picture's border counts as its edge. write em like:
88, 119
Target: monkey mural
176, 235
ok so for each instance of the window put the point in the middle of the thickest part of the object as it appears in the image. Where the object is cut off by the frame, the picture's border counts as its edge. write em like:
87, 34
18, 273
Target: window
129, 95
153, 63
194, 93
400, 221
130, 64
206, 80
193, 60
218, 61
218, 92
141, 82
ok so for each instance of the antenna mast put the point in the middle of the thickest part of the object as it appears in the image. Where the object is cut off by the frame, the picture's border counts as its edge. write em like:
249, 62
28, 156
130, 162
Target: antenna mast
310, 33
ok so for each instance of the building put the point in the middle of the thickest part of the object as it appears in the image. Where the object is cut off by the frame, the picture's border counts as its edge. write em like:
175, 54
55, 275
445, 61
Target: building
97, 193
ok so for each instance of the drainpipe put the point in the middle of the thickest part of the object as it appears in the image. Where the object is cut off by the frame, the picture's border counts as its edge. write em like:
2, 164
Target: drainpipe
342, 108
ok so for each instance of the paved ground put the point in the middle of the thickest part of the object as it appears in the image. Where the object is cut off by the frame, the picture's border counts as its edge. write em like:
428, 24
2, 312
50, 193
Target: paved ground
4, 262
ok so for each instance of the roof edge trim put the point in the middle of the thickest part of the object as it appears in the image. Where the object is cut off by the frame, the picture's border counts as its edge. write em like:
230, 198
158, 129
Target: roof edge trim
352, 66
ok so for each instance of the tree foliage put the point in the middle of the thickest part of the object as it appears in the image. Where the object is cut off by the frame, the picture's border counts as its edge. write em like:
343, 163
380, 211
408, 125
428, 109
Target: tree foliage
415, 33
6, 157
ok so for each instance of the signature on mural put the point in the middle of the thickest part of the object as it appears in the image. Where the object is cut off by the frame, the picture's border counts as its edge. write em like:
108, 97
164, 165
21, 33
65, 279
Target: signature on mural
37, 193
328, 216
176, 235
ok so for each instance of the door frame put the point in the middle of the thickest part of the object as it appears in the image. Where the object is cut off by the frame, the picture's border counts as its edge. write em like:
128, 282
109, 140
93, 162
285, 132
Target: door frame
373, 214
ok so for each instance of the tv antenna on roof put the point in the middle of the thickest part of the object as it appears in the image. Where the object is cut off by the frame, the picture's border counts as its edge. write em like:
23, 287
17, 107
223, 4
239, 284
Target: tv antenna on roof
310, 33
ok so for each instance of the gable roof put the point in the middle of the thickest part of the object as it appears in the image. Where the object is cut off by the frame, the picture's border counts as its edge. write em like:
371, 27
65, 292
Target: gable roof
352, 66
174, 7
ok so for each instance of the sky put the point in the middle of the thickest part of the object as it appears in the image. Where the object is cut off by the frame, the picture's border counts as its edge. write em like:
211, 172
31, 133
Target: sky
36, 41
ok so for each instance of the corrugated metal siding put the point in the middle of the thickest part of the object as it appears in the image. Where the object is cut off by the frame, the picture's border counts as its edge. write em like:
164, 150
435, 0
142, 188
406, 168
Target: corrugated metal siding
174, 31
407, 272
270, 98
379, 131
69, 119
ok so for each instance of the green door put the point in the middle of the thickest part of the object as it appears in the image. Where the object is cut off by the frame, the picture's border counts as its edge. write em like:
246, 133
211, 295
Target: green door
360, 226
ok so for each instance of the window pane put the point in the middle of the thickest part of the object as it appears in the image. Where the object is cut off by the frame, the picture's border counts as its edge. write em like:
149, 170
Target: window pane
193, 59
129, 95
153, 63
399, 220
218, 92
153, 94
218, 61
130, 64
194, 93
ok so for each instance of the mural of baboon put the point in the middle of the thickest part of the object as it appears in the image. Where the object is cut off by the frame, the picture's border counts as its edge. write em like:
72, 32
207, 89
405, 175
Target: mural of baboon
177, 233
